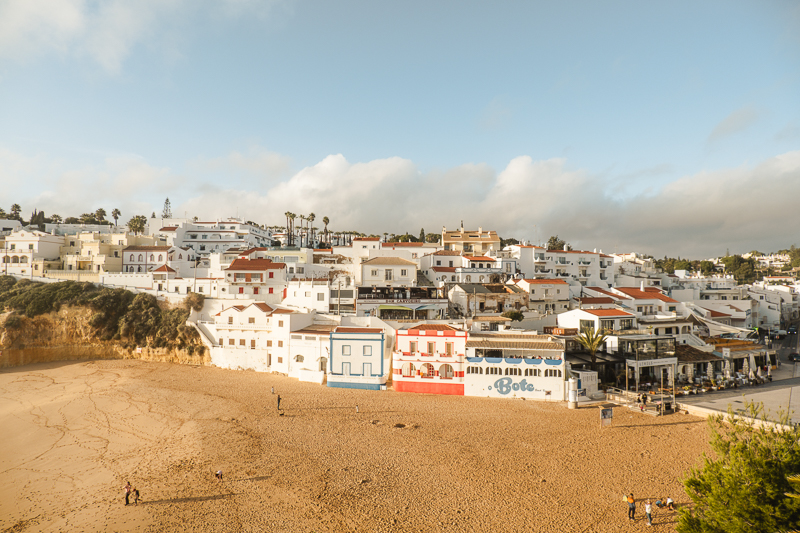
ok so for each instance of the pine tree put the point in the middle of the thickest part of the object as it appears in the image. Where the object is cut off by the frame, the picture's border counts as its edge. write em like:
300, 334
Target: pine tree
743, 489
167, 212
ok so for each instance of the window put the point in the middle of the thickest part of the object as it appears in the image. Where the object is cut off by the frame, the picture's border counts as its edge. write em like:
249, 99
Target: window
280, 323
251, 320
626, 323
427, 371
30, 247
586, 324
280, 360
474, 370
231, 342
241, 342
230, 320
152, 257
367, 350
438, 263
373, 273
280, 344
320, 297
160, 257
412, 346
307, 294
13, 246
270, 290
409, 371
512, 372
346, 350
607, 324
448, 348
255, 290
431, 347
552, 373
269, 344
241, 290
403, 273
387, 274
272, 274
493, 370
535, 372
221, 341
299, 359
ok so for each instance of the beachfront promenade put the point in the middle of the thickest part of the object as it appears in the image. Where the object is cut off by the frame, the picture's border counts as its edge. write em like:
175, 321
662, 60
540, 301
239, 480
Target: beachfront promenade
781, 394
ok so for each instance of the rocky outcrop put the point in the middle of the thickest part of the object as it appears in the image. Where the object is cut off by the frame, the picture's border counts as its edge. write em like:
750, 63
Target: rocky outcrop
67, 336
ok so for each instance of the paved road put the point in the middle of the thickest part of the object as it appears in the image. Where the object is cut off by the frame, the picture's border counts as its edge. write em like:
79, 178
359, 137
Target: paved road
781, 395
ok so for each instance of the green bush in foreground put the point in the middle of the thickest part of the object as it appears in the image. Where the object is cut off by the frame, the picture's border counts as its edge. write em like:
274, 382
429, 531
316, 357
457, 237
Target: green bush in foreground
745, 488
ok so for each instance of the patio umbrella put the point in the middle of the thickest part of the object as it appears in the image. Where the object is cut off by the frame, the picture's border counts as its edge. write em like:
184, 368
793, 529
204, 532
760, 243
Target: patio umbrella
727, 369
758, 372
746, 368
752, 377
769, 371
710, 371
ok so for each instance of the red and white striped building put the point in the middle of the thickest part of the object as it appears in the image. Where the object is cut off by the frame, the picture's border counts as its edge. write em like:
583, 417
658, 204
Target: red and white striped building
429, 358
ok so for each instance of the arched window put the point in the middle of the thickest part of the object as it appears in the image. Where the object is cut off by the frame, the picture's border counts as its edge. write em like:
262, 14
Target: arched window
140, 258
140, 268
427, 370
446, 372
409, 371
160, 257
6, 259
468, 279
23, 259
323, 364
535, 372
480, 279
493, 370
452, 278
131, 257
299, 359
180, 256
474, 370
15, 259
152, 257
512, 371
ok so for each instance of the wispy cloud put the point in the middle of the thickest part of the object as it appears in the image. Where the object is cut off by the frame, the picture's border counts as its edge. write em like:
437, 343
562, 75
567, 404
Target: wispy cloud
738, 121
105, 31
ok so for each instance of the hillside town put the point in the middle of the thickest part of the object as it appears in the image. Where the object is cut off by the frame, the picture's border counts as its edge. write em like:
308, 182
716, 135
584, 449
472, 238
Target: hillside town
460, 312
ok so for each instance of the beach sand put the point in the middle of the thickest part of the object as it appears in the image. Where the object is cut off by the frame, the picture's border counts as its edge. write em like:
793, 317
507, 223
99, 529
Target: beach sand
74, 433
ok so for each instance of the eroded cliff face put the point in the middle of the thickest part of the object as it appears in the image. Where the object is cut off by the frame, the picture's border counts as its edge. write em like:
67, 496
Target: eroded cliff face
67, 336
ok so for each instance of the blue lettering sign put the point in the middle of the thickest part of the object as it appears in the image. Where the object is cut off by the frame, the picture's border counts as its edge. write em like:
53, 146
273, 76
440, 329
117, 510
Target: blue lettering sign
505, 385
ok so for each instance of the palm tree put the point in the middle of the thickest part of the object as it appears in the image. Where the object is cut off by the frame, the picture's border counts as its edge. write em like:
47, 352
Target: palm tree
115, 214
302, 218
292, 216
15, 211
592, 340
286, 214
325, 221
100, 215
310, 219
56, 219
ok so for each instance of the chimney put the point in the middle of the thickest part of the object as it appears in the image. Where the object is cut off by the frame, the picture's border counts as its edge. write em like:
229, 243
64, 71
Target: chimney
642, 286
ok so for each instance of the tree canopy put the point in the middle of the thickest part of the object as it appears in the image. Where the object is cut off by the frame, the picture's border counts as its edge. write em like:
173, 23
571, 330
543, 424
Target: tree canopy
743, 488
554, 243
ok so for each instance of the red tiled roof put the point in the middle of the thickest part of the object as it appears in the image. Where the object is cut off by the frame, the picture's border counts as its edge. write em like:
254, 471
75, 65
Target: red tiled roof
169, 228
446, 252
164, 268
433, 327
251, 250
443, 269
346, 329
146, 248
472, 258
263, 307
606, 312
282, 312
716, 314
255, 264
608, 293
544, 281
597, 300
651, 294
366, 239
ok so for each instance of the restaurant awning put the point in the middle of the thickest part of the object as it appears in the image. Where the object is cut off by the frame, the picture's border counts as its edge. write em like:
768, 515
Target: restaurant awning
394, 308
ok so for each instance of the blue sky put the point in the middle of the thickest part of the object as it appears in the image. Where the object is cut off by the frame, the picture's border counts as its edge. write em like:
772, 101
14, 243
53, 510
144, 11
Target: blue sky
658, 127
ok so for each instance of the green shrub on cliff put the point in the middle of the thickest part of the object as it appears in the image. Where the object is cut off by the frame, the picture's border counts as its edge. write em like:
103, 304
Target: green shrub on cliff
119, 314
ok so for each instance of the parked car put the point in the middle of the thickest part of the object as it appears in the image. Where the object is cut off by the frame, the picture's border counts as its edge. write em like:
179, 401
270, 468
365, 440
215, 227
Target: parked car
794, 357
792, 330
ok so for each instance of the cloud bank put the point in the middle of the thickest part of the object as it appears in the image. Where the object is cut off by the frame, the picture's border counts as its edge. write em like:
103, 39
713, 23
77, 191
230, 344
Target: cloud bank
696, 216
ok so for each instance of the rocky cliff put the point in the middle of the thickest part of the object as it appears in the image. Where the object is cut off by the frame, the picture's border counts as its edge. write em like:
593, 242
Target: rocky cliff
67, 336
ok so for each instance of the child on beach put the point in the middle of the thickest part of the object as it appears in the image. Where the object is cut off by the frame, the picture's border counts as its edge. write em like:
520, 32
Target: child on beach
648, 512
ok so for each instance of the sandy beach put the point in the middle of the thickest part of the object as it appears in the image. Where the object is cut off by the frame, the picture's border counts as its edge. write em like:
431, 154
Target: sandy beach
74, 433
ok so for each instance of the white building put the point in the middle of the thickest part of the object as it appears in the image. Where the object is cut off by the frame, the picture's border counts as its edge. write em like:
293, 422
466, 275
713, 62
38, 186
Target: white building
30, 252
358, 358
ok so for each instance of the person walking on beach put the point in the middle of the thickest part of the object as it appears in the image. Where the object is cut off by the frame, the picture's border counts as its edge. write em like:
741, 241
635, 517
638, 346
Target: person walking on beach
648, 512
631, 507
127, 492
279, 402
